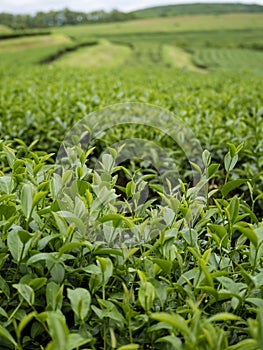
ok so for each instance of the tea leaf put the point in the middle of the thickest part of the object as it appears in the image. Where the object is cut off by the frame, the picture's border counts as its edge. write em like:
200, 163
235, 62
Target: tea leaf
80, 302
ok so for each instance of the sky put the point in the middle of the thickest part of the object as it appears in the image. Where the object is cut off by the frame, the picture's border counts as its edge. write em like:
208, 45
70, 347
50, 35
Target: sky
32, 6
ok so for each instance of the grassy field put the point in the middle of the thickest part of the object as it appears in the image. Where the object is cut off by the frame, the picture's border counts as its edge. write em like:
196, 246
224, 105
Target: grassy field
131, 186
104, 54
30, 50
192, 37
166, 25
179, 58
5, 29
23, 44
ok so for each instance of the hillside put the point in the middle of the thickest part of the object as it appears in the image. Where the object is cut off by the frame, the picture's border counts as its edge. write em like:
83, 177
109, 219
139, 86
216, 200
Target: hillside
196, 9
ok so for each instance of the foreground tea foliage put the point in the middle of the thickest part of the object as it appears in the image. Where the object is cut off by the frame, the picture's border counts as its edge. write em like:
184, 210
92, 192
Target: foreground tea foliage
176, 283
189, 287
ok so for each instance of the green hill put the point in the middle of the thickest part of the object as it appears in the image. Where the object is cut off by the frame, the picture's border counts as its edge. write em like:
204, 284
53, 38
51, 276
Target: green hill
196, 9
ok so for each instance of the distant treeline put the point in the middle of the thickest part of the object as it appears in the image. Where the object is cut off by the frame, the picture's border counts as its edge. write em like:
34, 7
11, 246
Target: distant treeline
60, 18
68, 17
